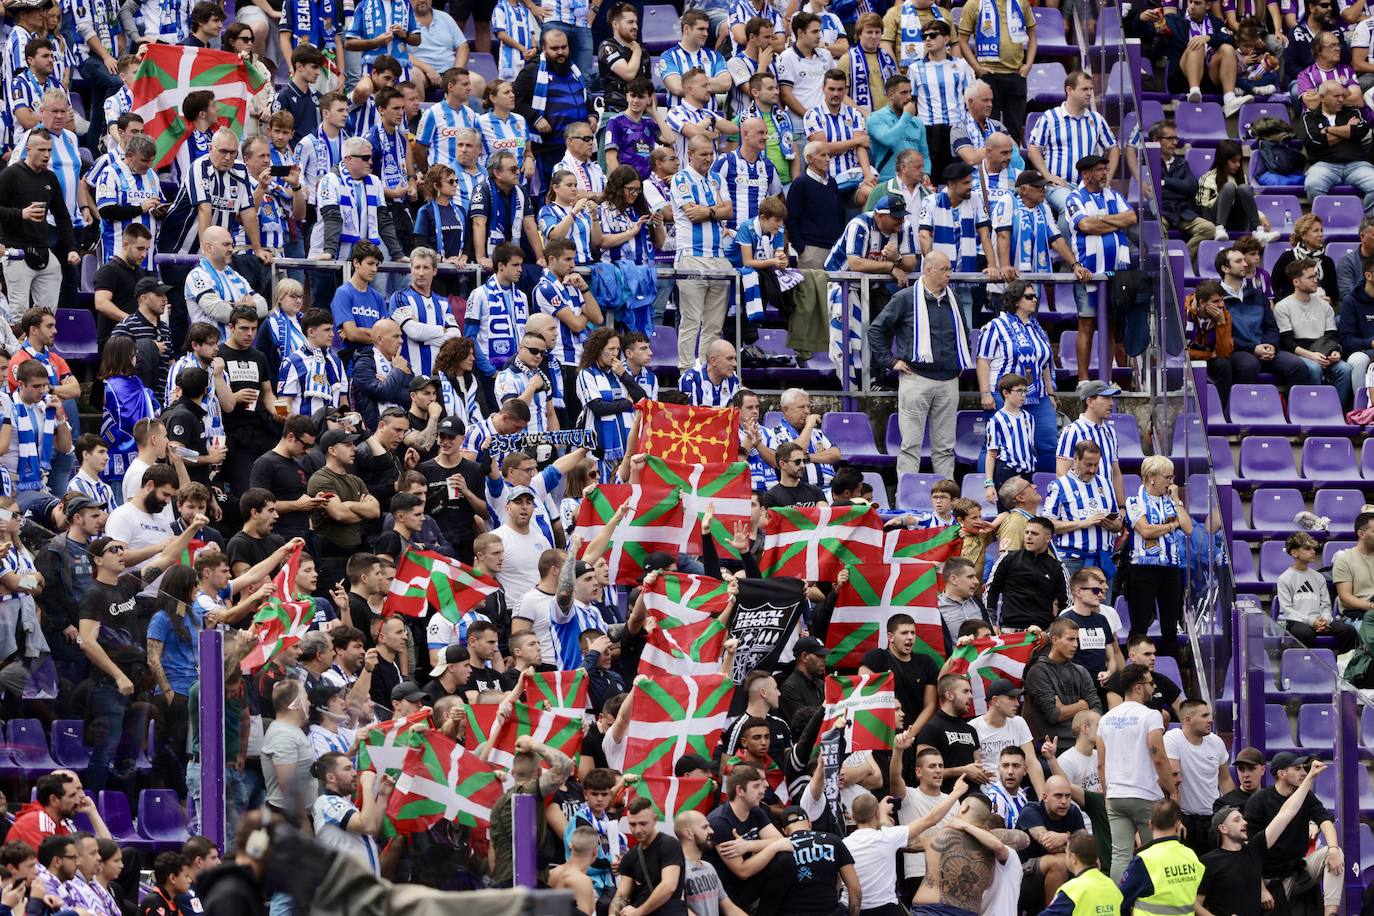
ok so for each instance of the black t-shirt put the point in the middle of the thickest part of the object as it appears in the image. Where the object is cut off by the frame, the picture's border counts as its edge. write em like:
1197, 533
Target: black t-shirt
1231, 880
817, 858
613, 52
453, 515
246, 369
1236, 798
803, 494
725, 826
384, 678
185, 422
483, 678
437, 692
363, 618
592, 746
120, 280
243, 548
954, 738
1166, 692
910, 678
1035, 815
286, 479
1285, 857
511, 675
391, 544
644, 865
122, 633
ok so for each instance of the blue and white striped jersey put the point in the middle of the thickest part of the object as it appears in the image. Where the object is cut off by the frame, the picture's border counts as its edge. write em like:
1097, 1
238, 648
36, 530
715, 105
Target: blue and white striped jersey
553, 296
683, 113
677, 60
1097, 253
514, 19
939, 88
118, 103
214, 416
1013, 437
438, 131
206, 284
361, 118
509, 134
590, 176
954, 229
318, 154
762, 475
741, 11
1064, 139
426, 323
550, 215
571, 12
1154, 510
1072, 500
500, 313
705, 239
862, 238
27, 92
388, 156
746, 184
816, 474
696, 383
312, 379
1104, 434
1012, 345
99, 492
478, 435
835, 128
639, 249
196, 144
511, 382
117, 185
272, 218
374, 18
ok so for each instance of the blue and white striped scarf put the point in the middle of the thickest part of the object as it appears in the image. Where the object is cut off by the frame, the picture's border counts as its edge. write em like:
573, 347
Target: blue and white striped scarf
459, 401
34, 442
859, 78
541, 86
781, 124
611, 429
987, 39
286, 333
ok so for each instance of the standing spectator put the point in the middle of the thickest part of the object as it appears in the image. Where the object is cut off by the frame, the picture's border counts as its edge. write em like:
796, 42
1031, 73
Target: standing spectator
313, 377
1179, 204
1086, 513
1098, 650
1059, 688
214, 289
1001, 731
895, 132
999, 40
701, 208
425, 318
621, 59
1167, 698
693, 52
939, 80
128, 194
842, 128
748, 175
914, 674
1135, 767
1159, 524
1098, 218
1304, 607
1307, 328
352, 210
348, 504
802, 68
1335, 135
298, 97
904, 29
40, 433
29, 194
501, 212
949, 732
1015, 345
608, 394
1204, 764
550, 94
869, 65
955, 222
38, 326
117, 279
1226, 201
1033, 235
632, 135
1065, 135
816, 194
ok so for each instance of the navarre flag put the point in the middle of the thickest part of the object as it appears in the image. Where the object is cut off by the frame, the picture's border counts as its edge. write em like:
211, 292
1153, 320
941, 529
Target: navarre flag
655, 524
872, 708
426, 578
382, 747
724, 486
480, 719
169, 73
933, 545
874, 593
676, 716
695, 435
995, 658
282, 621
688, 649
560, 729
814, 543
557, 689
440, 780
679, 598
672, 795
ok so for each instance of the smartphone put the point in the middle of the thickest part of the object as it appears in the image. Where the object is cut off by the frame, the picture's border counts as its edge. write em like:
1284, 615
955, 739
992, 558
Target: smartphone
279, 171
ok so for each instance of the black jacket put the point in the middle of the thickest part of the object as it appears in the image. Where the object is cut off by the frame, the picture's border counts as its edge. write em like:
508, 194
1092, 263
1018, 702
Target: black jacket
798, 691
21, 186
1312, 127
1178, 205
1024, 588
230, 890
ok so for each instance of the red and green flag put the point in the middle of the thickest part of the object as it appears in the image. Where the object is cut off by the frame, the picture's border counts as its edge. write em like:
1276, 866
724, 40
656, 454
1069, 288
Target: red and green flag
932, 545
995, 658
672, 795
725, 486
872, 707
655, 524
687, 649
382, 747
281, 622
813, 543
557, 689
425, 578
694, 435
675, 716
686, 598
777, 779
169, 73
560, 729
874, 593
481, 719
188, 556
441, 781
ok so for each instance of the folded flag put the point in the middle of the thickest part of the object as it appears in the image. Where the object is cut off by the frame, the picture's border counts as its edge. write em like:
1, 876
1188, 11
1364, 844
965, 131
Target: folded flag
557, 689
1003, 657
874, 593
425, 578
382, 747
872, 708
560, 729
682, 598
726, 486
282, 621
814, 543
441, 781
933, 545
480, 719
673, 717
695, 435
687, 649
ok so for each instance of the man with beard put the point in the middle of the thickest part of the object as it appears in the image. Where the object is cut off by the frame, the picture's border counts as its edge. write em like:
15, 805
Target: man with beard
1234, 873
455, 489
65, 564
145, 521
705, 896
551, 107
279, 471
805, 686
348, 504
57, 800
1249, 777
341, 825
652, 874
1286, 858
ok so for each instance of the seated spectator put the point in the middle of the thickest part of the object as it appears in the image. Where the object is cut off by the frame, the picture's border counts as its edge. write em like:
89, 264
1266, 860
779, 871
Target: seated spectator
1307, 329
1309, 244
1304, 605
1319, 16
1355, 325
1287, 858
1328, 53
1335, 134
1254, 330
1350, 268
1202, 55
1226, 201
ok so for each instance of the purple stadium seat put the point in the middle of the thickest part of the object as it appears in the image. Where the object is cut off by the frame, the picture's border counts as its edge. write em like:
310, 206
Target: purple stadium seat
1190, 436
483, 64
659, 29
1032, 118
1329, 551
879, 485
892, 441
1130, 483
1109, 27
1273, 561
1200, 159
1278, 734
1049, 33
1337, 250
1329, 459
970, 435
1316, 406
1340, 215
1042, 481
1243, 568
1252, 111
1207, 258
664, 345
69, 744
1118, 85
1212, 409
1317, 728
1267, 458
1310, 672
1223, 465
160, 817
913, 490
1241, 520
1128, 438
1367, 459
772, 418
1045, 82
1256, 406
1283, 210
1168, 667
114, 810
1367, 728
1366, 858
1341, 506
1202, 123
972, 488
1272, 252
76, 340
29, 745
1324, 787
852, 434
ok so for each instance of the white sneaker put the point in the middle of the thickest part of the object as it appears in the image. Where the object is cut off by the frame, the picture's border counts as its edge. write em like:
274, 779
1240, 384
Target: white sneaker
1195, 94
1265, 236
1232, 103
1264, 90
1220, 235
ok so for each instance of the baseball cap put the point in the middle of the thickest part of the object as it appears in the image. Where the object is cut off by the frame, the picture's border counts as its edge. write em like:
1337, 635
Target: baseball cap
517, 492
409, 690
453, 655
1097, 389
581, 569
891, 205
451, 426
793, 814
151, 285
1090, 161
956, 171
1250, 757
1285, 759
689, 762
1221, 814
809, 644
1032, 178
421, 382
1003, 688
335, 436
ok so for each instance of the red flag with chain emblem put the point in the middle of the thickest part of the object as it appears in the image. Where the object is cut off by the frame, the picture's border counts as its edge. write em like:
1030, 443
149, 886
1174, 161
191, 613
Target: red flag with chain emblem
693, 435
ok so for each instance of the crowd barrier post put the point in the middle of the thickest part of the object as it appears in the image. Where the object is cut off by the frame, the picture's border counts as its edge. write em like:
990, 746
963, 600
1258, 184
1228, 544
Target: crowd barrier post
524, 855
1351, 774
211, 812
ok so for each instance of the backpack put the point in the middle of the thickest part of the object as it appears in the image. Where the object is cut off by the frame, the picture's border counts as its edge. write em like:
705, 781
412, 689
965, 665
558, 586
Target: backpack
1280, 158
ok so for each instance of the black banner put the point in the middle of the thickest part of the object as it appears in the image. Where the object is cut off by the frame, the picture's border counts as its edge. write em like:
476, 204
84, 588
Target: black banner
832, 755
765, 623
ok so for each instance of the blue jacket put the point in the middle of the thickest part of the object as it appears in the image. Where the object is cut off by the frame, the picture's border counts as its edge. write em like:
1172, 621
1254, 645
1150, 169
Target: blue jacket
368, 392
1355, 324
1252, 320
892, 134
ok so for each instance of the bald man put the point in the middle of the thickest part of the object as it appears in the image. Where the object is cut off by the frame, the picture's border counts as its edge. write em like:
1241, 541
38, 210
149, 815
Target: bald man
927, 358
214, 288
713, 380
748, 174
381, 375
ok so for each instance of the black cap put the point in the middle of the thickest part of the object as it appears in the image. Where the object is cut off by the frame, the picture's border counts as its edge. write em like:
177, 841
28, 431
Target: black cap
892, 205
689, 762
421, 382
451, 426
1090, 161
1031, 178
78, 501
409, 690
658, 560
809, 644
581, 569
793, 814
1003, 688
334, 437
957, 171
151, 285
453, 655
1285, 759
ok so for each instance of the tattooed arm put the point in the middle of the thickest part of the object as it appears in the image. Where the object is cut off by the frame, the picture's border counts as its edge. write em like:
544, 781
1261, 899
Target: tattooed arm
1012, 839
991, 842
960, 866
560, 764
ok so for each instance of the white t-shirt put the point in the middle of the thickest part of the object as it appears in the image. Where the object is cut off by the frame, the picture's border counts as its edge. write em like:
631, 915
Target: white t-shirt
614, 750
1002, 898
1081, 769
1198, 764
137, 528
520, 569
807, 77
133, 478
535, 607
1013, 733
876, 863
1125, 733
916, 805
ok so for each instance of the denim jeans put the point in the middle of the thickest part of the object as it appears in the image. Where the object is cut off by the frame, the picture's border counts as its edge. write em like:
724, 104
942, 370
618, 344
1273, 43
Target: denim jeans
235, 798
1337, 375
580, 51
108, 707
103, 84
1321, 177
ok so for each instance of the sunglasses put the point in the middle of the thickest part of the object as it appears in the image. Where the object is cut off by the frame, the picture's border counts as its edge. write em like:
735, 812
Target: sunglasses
1095, 589
537, 351
366, 157
585, 138
1030, 297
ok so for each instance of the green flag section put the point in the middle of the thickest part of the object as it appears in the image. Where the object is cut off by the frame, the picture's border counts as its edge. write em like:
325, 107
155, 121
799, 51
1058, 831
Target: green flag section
1002, 657
933, 545
383, 746
672, 717
655, 524
682, 598
425, 578
876, 591
560, 729
871, 706
692, 648
169, 73
441, 781
481, 722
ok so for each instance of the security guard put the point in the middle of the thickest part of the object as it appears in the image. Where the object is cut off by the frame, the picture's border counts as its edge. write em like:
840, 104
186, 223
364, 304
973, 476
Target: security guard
1163, 878
1088, 892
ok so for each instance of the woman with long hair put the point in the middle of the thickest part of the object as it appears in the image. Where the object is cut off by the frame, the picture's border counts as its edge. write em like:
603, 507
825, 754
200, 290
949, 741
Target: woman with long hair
628, 230
580, 476
1014, 342
250, 45
441, 224
105, 883
1309, 244
328, 713
460, 390
566, 217
1224, 198
281, 335
608, 393
502, 129
127, 400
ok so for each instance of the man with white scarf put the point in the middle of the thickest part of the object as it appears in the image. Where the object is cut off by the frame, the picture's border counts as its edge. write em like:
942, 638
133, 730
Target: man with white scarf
921, 335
